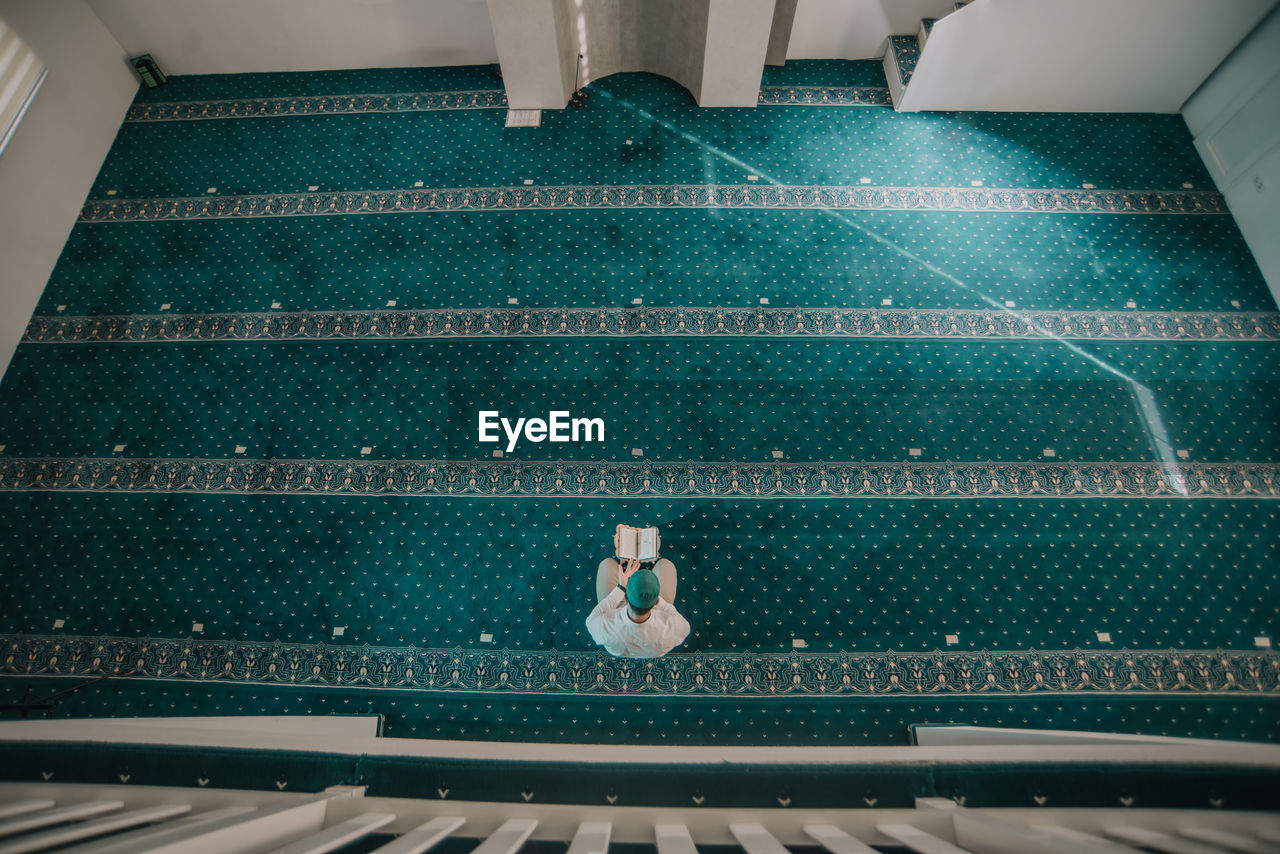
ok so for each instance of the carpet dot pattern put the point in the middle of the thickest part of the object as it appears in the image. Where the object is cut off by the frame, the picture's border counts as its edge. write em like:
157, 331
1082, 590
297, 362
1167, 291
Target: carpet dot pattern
672, 257
672, 399
671, 142
1000, 574
639, 322
657, 720
152, 486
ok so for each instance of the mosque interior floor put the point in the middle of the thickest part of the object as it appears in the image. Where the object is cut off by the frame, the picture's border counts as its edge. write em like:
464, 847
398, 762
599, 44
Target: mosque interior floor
943, 417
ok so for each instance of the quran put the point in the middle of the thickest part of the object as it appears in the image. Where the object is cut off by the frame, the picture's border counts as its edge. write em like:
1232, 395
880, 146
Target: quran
637, 543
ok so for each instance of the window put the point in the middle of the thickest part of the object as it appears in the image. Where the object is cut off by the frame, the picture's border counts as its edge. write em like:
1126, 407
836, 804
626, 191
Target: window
21, 73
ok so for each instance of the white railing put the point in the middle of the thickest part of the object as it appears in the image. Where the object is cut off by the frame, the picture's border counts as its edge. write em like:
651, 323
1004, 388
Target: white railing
162, 820
130, 819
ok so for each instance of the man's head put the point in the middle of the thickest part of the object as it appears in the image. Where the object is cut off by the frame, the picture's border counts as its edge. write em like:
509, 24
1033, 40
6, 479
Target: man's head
642, 592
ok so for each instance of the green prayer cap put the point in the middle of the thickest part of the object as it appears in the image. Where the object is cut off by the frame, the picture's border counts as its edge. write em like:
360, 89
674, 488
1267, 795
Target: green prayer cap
642, 589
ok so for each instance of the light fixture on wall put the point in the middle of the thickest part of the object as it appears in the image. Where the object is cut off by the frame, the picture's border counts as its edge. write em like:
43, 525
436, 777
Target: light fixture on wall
578, 99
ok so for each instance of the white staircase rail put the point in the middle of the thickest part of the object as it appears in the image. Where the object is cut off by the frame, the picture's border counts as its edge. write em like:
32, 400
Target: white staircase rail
1229, 841
919, 841
754, 839
245, 832
989, 833
149, 839
508, 838
338, 835
1158, 841
49, 818
836, 840
1086, 841
591, 837
191, 820
424, 837
23, 807
56, 836
673, 839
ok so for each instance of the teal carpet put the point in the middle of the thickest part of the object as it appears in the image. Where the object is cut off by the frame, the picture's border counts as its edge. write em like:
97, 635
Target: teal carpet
683, 257
837, 575
993, 437
686, 399
794, 721
671, 141
824, 72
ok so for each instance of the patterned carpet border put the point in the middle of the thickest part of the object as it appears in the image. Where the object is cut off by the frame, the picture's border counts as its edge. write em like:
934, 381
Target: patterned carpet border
658, 197
645, 479
479, 99
614, 322
906, 55
587, 673
316, 105
825, 96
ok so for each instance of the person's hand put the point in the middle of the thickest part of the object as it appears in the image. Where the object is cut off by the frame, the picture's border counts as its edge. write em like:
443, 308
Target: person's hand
626, 571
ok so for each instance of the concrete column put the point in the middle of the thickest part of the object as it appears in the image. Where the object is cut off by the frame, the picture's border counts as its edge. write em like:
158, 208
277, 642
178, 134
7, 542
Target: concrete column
535, 50
784, 15
737, 40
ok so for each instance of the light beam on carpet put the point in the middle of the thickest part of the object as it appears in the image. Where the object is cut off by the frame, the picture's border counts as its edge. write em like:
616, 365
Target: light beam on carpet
1147, 405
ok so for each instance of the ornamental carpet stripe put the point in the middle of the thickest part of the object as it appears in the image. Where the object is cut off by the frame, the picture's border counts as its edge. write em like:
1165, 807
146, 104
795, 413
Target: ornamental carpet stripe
607, 259
825, 96
660, 197
435, 572
257, 108
1182, 672
590, 322
639, 130
919, 450
484, 99
1170, 479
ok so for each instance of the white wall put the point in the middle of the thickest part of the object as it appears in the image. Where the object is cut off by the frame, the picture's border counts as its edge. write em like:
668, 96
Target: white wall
227, 36
666, 37
55, 154
1141, 56
733, 59
1235, 118
856, 29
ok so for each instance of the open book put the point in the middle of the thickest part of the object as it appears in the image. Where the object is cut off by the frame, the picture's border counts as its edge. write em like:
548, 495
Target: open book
637, 543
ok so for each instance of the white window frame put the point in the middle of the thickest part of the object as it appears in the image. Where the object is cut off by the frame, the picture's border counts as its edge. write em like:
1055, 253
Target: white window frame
21, 73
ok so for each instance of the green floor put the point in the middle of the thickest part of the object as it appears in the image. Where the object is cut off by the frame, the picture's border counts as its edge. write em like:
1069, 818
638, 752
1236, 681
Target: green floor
678, 257
902, 451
